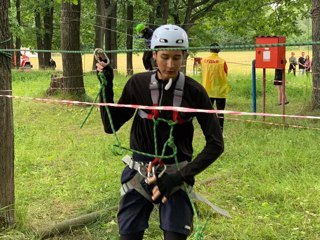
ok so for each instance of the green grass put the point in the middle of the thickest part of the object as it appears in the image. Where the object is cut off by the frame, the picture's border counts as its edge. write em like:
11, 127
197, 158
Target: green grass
267, 178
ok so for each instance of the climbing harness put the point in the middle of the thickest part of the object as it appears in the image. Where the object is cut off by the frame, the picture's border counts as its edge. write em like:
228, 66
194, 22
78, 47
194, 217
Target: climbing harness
155, 94
143, 170
146, 170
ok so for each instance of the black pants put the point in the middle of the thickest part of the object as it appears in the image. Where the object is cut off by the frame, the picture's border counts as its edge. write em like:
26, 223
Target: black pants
293, 68
221, 104
167, 236
147, 60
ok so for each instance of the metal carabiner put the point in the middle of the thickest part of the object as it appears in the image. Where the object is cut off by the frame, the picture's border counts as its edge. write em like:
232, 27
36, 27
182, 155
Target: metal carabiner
100, 55
163, 171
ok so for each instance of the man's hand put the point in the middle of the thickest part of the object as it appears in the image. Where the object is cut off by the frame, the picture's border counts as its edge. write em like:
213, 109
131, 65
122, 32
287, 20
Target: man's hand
164, 185
100, 66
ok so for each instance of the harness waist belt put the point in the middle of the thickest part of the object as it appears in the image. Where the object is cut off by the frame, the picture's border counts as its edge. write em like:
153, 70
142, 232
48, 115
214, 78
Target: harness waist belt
135, 183
136, 165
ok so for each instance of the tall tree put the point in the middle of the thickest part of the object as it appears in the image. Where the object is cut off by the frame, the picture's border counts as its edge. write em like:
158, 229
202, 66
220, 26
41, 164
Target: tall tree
7, 198
129, 38
111, 30
44, 30
18, 39
99, 26
70, 41
39, 28
114, 37
186, 13
48, 30
316, 54
162, 11
152, 13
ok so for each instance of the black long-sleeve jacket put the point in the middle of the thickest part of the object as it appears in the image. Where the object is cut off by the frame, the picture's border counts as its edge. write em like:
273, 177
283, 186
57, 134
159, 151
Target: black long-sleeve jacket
147, 35
136, 91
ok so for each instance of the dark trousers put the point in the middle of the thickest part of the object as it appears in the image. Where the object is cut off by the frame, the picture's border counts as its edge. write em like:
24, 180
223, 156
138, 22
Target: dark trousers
293, 68
147, 60
221, 104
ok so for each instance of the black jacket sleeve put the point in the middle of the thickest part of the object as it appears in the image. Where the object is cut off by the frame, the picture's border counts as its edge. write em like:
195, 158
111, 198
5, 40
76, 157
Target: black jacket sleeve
214, 144
118, 115
108, 74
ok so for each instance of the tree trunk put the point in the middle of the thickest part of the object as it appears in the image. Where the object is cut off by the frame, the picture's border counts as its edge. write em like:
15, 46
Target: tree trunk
48, 32
152, 14
129, 38
107, 40
99, 33
110, 38
165, 11
316, 54
162, 11
113, 33
70, 41
158, 11
39, 39
7, 217
18, 40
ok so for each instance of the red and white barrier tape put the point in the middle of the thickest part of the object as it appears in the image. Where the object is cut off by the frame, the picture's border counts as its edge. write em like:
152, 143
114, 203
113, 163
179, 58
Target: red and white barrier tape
273, 123
160, 108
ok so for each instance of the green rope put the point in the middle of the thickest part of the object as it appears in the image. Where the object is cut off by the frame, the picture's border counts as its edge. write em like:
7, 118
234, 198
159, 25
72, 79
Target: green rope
155, 123
90, 111
4, 51
228, 47
103, 85
169, 142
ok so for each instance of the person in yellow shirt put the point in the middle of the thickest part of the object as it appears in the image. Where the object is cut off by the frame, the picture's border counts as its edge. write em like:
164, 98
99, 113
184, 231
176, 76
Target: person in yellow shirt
214, 79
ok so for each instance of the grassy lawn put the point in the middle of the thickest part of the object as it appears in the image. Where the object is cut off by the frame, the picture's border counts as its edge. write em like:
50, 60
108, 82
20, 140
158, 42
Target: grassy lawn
268, 177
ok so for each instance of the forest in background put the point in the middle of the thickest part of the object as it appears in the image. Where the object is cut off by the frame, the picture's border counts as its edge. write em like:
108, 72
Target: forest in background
110, 24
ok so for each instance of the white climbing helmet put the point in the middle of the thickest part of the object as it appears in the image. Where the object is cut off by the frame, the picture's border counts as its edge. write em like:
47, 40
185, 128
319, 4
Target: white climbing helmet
169, 36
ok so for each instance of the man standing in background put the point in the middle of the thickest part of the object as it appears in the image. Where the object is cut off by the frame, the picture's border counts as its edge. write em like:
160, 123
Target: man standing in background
292, 63
52, 64
214, 79
301, 62
146, 33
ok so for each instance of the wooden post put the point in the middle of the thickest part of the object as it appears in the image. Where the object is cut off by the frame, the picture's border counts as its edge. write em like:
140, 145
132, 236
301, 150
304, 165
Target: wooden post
283, 95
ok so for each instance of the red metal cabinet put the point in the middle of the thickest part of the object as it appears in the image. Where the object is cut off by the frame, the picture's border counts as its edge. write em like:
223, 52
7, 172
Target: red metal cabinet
270, 57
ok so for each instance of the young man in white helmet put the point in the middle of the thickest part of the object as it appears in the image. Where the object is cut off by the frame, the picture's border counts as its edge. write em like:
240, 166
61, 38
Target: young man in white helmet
164, 87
